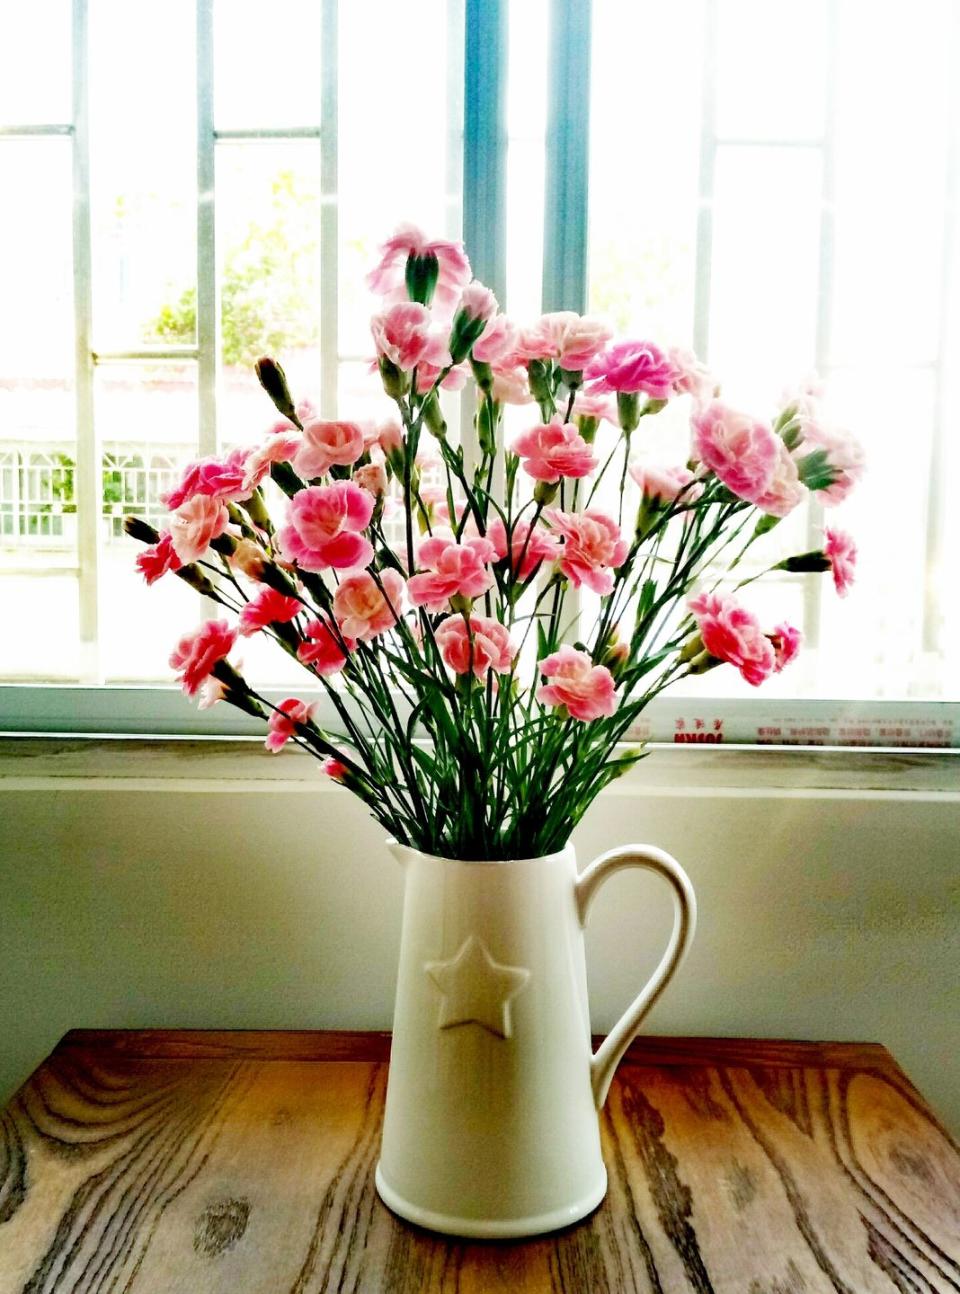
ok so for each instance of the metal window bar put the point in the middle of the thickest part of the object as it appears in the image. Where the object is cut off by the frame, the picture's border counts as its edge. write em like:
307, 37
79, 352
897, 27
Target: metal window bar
88, 476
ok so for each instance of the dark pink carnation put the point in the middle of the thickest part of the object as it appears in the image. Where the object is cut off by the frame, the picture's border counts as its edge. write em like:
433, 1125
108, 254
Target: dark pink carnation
631, 366
324, 524
731, 633
196, 653
158, 559
841, 551
267, 607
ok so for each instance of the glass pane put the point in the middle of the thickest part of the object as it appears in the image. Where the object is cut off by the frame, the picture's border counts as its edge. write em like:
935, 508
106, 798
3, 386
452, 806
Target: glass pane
766, 259
38, 520
643, 182
268, 233
266, 63
36, 75
147, 419
143, 174
771, 68
396, 159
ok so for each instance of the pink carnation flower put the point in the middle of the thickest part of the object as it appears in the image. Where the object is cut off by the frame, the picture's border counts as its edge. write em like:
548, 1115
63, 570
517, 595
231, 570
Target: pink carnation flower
159, 558
452, 570
692, 377
632, 366
786, 641
279, 448
324, 444
785, 491
335, 769
554, 449
496, 342
372, 477
844, 454
267, 607
732, 633
390, 438
194, 524
529, 546
571, 339
841, 551
741, 451
477, 301
587, 690
196, 653
402, 334
282, 724
323, 648
593, 546
665, 484
591, 404
484, 646
323, 525
362, 610
220, 478
511, 385
387, 278
435, 358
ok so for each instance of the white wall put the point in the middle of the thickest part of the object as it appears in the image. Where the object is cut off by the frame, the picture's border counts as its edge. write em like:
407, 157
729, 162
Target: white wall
200, 900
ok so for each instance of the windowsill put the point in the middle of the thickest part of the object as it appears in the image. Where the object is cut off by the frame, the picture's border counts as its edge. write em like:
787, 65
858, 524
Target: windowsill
238, 764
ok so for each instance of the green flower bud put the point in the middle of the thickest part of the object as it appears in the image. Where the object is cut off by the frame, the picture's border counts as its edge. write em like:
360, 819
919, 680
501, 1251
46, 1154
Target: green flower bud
421, 277
628, 410
274, 381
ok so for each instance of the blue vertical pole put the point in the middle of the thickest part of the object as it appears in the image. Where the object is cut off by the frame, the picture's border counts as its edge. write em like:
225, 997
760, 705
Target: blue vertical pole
485, 141
568, 156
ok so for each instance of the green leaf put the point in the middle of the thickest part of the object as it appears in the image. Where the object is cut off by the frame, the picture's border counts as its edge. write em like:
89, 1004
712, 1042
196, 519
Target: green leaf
816, 471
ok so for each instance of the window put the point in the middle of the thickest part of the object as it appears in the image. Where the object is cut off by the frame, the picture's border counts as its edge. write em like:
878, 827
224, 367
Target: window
773, 183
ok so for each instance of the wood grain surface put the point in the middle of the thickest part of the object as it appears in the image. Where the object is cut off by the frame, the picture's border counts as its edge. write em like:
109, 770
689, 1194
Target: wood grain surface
183, 1162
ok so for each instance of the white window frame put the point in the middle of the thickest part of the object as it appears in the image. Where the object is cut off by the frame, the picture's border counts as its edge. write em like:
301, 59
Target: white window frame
480, 29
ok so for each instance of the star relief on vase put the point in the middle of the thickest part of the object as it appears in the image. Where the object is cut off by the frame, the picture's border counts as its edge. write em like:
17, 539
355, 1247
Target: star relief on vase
476, 989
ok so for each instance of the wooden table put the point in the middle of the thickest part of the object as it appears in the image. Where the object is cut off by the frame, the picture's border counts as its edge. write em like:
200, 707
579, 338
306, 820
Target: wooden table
185, 1162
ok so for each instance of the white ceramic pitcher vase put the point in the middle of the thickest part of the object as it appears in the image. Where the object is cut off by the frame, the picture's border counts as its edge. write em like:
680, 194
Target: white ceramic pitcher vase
491, 1126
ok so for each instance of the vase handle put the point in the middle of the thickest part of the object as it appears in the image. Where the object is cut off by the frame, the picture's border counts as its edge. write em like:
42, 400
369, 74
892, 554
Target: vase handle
609, 1053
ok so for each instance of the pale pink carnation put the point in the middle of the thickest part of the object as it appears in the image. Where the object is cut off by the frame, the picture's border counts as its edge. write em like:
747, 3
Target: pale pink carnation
402, 334
484, 646
362, 610
324, 444
436, 358
511, 385
477, 302
453, 569
194, 524
786, 641
593, 546
785, 491
434, 498
844, 454
692, 377
529, 546
159, 558
388, 277
662, 484
220, 478
282, 724
805, 398
323, 647
196, 653
211, 693
496, 342
740, 450
323, 527
267, 607
633, 366
372, 477
390, 438
841, 551
731, 633
589, 404
280, 448
587, 690
572, 340
554, 449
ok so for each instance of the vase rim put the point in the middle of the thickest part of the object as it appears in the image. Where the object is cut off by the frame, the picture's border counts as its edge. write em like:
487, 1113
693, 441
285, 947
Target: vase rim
399, 850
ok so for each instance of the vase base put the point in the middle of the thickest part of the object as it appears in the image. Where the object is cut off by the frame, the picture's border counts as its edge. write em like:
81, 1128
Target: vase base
489, 1228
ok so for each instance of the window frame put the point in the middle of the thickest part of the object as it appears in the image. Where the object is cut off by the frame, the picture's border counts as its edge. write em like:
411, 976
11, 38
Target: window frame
478, 29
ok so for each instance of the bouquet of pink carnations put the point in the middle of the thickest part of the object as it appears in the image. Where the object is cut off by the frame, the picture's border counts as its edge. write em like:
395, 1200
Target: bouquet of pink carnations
438, 601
